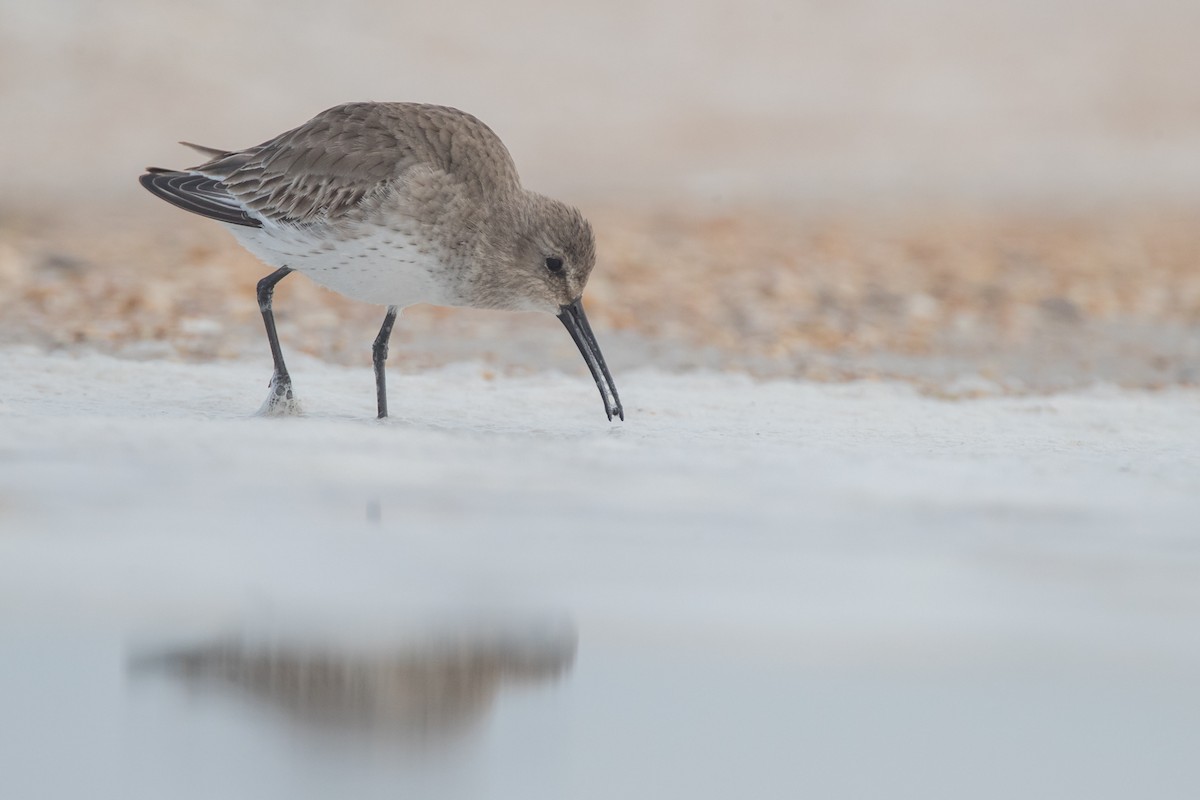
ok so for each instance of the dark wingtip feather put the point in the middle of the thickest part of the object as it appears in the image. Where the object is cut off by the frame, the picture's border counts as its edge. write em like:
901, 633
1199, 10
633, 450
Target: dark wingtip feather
197, 194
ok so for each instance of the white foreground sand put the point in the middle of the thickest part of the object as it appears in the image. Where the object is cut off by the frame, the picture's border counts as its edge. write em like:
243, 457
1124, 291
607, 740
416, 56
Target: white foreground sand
719, 500
777, 588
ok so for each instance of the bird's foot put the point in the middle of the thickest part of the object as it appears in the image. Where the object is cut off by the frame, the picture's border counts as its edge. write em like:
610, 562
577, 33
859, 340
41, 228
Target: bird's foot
281, 401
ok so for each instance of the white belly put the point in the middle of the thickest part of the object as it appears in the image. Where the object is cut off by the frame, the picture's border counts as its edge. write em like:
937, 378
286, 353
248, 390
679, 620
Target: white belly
379, 265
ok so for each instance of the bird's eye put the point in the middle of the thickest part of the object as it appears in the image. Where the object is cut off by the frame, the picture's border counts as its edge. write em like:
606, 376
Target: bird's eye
554, 264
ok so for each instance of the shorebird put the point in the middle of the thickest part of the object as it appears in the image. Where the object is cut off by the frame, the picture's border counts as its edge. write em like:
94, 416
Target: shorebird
396, 204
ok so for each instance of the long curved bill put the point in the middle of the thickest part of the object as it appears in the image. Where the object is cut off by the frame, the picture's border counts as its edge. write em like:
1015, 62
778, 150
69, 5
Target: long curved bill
575, 321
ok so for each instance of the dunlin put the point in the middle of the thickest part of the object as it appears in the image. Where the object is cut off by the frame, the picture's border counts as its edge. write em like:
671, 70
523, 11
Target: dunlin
396, 204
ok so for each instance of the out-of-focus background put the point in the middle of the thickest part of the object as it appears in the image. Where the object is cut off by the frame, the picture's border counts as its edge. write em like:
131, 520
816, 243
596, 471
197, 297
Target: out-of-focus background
903, 299
825, 190
1087, 102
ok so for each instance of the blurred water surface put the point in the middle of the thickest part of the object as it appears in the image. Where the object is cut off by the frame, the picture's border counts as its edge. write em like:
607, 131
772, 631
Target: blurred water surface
509, 715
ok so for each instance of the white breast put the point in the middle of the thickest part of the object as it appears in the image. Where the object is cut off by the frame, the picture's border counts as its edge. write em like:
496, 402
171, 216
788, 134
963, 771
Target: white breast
375, 265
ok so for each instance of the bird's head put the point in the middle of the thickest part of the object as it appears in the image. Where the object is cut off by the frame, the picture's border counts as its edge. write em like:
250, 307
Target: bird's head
544, 266
547, 253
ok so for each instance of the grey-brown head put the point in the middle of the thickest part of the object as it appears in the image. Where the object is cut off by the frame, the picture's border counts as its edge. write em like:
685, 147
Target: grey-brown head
541, 261
537, 258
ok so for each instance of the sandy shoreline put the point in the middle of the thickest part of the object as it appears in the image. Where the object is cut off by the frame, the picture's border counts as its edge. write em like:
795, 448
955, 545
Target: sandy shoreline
999, 302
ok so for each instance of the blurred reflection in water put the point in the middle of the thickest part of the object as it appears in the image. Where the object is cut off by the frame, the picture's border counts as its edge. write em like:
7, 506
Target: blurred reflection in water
424, 689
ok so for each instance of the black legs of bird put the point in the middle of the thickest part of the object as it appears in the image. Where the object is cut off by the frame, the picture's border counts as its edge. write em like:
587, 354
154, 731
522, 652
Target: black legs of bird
281, 383
282, 400
379, 354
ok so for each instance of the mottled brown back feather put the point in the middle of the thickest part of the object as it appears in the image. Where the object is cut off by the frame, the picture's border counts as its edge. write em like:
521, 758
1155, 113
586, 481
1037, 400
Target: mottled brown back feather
331, 167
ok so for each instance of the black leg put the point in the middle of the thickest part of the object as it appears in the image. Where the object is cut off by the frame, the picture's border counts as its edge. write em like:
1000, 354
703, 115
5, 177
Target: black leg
379, 353
281, 382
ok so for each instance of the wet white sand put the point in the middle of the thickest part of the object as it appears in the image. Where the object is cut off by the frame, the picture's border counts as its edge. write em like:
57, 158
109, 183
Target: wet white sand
716, 488
903, 588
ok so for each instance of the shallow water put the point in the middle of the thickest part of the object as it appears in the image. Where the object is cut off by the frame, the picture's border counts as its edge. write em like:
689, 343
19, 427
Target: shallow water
510, 711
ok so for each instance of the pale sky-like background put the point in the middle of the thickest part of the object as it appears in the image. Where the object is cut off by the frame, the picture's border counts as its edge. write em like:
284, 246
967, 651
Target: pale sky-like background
869, 101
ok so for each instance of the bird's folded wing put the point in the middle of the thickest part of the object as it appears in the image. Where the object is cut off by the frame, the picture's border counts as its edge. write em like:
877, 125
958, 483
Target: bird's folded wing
317, 173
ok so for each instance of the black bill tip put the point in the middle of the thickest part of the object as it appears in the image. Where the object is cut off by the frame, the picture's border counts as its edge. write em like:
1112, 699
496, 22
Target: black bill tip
576, 323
